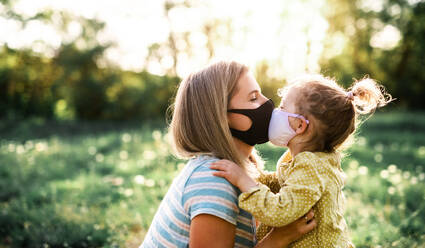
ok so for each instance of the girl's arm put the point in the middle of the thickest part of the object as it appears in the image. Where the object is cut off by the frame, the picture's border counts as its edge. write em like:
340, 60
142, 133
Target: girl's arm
269, 178
210, 231
303, 189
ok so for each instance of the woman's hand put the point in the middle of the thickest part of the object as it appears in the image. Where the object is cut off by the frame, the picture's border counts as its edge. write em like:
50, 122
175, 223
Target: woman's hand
234, 174
283, 236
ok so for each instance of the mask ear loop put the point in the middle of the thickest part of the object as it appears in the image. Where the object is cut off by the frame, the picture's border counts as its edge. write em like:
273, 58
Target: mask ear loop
302, 117
298, 116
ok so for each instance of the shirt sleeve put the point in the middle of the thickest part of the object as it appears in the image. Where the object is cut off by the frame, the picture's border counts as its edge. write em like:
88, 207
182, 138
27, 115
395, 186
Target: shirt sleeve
302, 189
205, 193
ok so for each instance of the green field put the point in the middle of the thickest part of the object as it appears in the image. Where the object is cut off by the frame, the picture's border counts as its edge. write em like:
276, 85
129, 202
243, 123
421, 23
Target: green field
99, 184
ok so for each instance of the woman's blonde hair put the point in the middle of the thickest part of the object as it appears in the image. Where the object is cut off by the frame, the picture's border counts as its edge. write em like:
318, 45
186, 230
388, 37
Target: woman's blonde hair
334, 110
199, 122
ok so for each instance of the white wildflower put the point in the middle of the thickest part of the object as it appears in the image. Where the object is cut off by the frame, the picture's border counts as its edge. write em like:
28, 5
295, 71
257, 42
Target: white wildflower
378, 158
384, 174
363, 170
126, 138
123, 155
149, 155
99, 157
92, 150
149, 183
20, 149
156, 135
406, 175
392, 168
391, 190
139, 179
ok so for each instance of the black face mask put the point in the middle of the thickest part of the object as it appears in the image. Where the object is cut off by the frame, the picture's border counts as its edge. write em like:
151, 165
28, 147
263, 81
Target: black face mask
258, 133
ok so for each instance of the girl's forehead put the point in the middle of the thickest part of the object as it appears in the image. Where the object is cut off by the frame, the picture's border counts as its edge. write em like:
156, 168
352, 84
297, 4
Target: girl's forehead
288, 92
289, 96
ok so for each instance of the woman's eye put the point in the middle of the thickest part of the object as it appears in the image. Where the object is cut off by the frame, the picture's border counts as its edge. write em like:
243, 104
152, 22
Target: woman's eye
253, 99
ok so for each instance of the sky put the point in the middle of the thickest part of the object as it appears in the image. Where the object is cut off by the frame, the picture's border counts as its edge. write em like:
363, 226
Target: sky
274, 31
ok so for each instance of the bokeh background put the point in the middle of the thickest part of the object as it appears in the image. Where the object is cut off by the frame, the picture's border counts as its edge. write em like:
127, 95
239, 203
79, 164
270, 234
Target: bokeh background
85, 86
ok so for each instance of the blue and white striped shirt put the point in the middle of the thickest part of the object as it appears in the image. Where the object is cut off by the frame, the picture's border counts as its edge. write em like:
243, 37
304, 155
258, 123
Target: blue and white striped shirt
196, 191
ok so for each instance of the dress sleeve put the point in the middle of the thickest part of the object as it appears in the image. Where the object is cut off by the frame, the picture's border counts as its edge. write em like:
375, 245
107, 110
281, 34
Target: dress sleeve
302, 189
269, 178
205, 193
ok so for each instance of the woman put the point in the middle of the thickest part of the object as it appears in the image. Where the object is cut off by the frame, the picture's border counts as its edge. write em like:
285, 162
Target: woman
219, 113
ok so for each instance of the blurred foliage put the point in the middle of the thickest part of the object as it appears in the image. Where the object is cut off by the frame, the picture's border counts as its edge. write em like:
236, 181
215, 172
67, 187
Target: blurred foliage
71, 84
98, 184
399, 68
96, 93
75, 81
269, 85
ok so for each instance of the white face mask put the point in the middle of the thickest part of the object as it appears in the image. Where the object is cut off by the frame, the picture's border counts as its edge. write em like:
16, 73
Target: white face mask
280, 132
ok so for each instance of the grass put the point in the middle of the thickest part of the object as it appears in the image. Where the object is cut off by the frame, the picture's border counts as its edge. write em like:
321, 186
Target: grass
99, 184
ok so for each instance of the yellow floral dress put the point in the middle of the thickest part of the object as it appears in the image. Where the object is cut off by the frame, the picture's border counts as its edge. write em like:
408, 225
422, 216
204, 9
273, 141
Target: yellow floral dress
310, 179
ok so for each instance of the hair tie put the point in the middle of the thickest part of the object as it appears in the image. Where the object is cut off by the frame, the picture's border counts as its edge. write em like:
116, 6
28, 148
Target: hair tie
350, 95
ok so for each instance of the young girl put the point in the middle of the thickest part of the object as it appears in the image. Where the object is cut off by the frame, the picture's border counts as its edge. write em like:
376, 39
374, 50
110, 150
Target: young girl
315, 118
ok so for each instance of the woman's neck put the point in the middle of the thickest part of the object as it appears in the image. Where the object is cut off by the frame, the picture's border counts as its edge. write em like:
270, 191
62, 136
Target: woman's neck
243, 147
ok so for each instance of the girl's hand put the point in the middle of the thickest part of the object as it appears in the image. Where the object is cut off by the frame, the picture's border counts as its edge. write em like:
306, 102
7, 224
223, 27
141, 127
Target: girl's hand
234, 174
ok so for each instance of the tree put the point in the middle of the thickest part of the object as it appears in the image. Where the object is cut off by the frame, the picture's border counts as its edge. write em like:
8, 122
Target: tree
399, 67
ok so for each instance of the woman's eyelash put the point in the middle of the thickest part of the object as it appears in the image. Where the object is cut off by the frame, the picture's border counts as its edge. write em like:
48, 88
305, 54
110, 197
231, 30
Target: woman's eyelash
253, 99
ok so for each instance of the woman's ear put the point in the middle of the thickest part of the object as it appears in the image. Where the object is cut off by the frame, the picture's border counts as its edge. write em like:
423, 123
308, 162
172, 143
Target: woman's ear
301, 126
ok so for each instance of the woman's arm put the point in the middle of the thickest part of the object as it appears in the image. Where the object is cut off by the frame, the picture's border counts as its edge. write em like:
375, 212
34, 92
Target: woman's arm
283, 236
210, 231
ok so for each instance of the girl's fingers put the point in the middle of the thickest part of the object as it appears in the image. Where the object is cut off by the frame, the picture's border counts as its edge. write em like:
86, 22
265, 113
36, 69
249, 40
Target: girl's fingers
219, 174
217, 166
221, 162
221, 165
224, 161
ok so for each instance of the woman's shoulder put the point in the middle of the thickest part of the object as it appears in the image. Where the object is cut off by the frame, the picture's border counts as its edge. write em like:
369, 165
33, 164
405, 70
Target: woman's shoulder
201, 176
202, 161
205, 193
